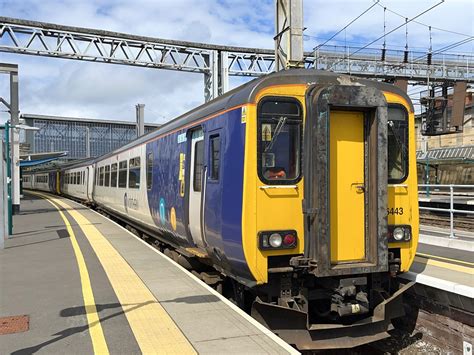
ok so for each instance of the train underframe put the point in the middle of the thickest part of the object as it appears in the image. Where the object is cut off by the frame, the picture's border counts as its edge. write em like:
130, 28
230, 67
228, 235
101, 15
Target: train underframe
330, 312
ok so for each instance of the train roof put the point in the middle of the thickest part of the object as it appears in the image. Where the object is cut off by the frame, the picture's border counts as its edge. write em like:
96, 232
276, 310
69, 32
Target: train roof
246, 93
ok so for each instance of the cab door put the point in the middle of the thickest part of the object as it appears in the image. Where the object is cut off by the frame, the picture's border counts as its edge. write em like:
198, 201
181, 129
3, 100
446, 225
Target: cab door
196, 187
345, 180
347, 186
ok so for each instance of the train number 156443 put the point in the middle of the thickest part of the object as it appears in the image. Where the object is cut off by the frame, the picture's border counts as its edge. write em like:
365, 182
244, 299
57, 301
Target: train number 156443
395, 211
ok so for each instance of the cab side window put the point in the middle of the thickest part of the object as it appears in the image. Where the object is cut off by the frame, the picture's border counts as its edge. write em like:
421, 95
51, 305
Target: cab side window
397, 144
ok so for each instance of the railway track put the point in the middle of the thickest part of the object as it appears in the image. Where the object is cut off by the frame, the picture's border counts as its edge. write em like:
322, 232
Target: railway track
442, 220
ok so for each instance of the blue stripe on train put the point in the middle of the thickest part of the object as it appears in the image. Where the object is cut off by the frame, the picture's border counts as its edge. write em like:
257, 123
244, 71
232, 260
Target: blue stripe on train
223, 198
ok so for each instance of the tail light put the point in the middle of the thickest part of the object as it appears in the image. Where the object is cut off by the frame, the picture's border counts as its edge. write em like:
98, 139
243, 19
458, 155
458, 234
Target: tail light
276, 240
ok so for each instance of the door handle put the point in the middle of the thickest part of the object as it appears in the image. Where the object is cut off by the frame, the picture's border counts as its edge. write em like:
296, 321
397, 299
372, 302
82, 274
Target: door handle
359, 186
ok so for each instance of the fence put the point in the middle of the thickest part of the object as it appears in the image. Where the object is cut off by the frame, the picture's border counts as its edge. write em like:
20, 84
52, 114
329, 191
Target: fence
447, 188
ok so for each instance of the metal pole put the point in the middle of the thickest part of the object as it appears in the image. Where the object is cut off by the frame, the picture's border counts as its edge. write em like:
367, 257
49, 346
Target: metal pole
427, 176
15, 141
224, 67
451, 211
2, 199
9, 179
289, 34
140, 110
88, 142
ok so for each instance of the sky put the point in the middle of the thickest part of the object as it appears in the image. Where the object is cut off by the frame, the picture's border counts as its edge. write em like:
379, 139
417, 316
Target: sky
50, 86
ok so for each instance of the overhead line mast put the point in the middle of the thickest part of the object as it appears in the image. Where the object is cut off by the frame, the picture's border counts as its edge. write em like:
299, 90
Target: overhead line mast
289, 34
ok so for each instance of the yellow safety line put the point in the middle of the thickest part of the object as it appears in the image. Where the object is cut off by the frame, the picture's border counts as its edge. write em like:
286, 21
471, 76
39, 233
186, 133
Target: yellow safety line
151, 325
428, 256
454, 267
95, 329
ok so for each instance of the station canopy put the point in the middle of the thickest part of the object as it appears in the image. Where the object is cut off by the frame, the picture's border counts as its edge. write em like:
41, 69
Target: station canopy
447, 155
30, 160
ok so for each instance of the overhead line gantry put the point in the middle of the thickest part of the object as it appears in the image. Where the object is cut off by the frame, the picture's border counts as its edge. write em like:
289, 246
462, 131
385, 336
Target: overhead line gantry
217, 62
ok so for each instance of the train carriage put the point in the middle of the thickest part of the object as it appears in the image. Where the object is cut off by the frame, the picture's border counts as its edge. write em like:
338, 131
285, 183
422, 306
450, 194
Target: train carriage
299, 187
77, 181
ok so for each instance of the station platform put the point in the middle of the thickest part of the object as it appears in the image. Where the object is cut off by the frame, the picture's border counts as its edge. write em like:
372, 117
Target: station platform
463, 240
446, 264
79, 283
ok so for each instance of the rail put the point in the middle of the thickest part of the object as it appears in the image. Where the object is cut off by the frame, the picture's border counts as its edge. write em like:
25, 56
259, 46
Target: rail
445, 188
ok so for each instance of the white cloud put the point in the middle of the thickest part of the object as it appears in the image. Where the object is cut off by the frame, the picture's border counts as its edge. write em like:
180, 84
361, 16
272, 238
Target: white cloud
65, 87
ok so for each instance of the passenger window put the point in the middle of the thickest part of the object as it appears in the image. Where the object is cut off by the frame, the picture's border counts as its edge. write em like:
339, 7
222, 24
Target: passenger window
122, 174
198, 164
397, 144
107, 175
149, 171
78, 178
113, 175
134, 173
279, 135
215, 155
101, 176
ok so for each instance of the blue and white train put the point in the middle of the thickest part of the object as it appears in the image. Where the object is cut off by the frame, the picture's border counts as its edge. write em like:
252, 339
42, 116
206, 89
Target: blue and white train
295, 194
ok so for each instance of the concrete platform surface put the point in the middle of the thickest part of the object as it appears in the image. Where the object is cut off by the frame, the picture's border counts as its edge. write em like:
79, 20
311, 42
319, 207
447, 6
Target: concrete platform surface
444, 268
90, 286
463, 240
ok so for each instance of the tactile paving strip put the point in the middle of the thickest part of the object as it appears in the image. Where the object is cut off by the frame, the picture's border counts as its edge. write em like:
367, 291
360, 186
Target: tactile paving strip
14, 324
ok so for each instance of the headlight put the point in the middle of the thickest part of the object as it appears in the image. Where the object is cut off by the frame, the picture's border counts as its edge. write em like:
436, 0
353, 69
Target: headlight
398, 233
275, 240
272, 240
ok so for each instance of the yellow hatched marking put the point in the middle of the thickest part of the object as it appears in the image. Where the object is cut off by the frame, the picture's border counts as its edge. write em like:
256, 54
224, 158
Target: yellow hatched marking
95, 329
428, 256
151, 325
454, 267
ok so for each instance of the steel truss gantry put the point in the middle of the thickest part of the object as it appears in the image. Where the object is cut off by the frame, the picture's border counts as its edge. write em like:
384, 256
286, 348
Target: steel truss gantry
216, 62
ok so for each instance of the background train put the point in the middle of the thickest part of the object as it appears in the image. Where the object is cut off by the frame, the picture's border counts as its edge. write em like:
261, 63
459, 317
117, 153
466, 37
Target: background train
295, 194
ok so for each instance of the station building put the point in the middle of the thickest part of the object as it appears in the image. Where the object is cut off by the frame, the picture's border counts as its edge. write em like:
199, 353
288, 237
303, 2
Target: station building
79, 137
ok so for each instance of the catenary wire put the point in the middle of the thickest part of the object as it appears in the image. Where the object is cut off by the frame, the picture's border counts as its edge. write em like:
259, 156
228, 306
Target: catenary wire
391, 31
421, 23
350, 23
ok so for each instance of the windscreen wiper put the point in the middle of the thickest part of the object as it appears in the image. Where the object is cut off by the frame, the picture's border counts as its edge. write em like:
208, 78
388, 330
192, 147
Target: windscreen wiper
278, 128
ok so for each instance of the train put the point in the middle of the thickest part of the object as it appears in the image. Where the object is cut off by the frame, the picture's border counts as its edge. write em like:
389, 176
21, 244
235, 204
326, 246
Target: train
294, 194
